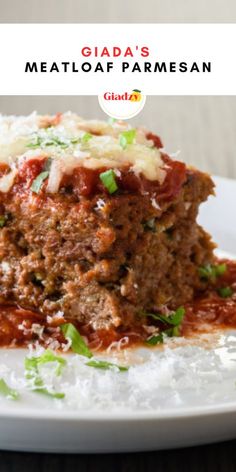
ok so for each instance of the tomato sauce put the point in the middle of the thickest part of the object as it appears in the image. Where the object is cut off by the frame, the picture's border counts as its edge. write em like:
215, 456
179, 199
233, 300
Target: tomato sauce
211, 311
87, 183
206, 313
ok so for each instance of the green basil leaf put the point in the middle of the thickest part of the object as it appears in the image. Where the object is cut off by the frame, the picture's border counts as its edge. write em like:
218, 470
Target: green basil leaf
109, 181
7, 391
86, 137
77, 343
44, 391
171, 332
37, 183
105, 365
211, 272
32, 363
35, 143
155, 339
225, 292
175, 319
127, 137
220, 269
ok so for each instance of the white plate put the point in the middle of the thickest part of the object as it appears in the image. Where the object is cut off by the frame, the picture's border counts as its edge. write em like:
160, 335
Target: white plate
176, 397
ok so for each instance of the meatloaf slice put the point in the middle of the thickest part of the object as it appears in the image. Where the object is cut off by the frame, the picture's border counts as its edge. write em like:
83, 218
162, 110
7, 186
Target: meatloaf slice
97, 222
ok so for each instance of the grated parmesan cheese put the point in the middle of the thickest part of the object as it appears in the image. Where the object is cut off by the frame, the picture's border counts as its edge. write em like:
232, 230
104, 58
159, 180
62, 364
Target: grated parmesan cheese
183, 374
35, 329
66, 141
5, 266
100, 204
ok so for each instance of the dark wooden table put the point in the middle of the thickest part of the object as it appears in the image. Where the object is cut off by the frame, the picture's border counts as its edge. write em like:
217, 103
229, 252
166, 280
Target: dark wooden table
211, 458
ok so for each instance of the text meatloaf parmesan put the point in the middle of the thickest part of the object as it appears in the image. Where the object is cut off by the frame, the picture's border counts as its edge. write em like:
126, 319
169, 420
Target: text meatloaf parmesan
96, 220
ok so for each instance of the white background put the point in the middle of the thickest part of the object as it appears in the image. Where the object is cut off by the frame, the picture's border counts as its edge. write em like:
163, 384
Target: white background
167, 42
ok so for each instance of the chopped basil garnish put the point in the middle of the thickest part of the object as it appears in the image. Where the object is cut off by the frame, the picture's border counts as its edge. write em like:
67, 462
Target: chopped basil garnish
54, 141
44, 391
3, 220
75, 140
7, 391
127, 137
51, 140
36, 142
205, 272
211, 272
86, 137
220, 269
174, 331
32, 365
175, 319
46, 141
77, 343
155, 339
38, 181
225, 292
105, 365
109, 181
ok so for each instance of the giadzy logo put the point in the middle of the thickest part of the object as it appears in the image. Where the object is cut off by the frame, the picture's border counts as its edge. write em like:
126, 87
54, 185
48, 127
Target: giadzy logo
134, 96
124, 105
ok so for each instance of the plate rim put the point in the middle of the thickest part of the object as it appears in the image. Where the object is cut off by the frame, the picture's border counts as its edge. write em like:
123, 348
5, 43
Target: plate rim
120, 415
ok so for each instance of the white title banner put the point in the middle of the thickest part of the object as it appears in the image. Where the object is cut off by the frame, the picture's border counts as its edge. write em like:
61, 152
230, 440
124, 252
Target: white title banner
94, 59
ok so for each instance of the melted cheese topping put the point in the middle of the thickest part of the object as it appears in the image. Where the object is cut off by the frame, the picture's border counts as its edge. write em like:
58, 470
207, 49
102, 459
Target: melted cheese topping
71, 141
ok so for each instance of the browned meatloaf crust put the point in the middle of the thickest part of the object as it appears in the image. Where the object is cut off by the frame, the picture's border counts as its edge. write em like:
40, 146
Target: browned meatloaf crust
102, 259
